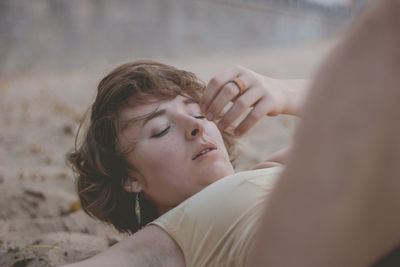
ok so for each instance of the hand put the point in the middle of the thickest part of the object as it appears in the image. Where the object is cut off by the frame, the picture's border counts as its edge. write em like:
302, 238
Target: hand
267, 96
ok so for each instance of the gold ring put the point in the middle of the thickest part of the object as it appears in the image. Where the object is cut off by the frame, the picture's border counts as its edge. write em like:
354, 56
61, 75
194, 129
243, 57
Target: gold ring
240, 84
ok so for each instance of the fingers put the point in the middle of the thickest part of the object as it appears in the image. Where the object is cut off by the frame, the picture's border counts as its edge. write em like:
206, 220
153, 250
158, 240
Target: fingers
228, 93
261, 108
261, 93
241, 104
216, 84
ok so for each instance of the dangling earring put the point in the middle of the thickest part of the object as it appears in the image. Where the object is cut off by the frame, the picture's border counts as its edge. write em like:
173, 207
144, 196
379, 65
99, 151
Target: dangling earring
137, 211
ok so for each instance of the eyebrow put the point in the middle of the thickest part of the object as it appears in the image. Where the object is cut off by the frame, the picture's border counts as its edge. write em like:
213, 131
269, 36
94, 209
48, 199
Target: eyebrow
153, 115
161, 112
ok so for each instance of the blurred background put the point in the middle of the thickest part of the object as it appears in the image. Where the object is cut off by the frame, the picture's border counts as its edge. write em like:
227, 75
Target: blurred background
54, 52
70, 34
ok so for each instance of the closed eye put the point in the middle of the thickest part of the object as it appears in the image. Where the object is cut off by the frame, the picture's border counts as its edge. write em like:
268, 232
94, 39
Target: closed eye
162, 133
165, 131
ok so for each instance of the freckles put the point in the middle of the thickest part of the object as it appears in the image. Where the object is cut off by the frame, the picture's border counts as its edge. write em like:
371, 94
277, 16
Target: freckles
160, 156
168, 155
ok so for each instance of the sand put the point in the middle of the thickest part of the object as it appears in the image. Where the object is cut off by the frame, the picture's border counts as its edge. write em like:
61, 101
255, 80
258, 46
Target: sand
41, 223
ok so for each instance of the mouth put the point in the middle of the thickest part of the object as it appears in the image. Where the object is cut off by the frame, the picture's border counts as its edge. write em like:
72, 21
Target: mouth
204, 151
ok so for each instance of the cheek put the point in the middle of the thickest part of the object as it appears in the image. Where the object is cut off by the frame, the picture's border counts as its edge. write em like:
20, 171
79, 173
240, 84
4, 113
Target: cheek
154, 157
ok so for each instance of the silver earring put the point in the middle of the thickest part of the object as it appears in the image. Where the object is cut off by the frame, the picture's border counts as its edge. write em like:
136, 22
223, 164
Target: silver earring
137, 210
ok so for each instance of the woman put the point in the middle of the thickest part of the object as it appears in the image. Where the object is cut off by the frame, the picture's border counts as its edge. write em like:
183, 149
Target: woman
151, 157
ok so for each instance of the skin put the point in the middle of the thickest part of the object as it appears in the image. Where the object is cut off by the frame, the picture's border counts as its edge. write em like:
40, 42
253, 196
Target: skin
334, 204
265, 95
148, 247
167, 171
165, 180
337, 202
278, 158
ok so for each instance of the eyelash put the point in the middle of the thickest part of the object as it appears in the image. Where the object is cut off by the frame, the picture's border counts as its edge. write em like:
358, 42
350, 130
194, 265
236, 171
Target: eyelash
163, 132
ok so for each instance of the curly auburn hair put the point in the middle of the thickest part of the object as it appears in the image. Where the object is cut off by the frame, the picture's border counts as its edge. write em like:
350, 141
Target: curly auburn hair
100, 165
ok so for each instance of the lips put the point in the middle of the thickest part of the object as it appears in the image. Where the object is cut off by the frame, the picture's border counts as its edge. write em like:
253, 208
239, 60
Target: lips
204, 150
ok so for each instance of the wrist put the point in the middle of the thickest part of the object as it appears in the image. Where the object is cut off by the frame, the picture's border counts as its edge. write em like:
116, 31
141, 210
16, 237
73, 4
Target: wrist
296, 95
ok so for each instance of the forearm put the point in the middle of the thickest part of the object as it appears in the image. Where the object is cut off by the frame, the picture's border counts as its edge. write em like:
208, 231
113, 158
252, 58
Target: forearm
337, 201
148, 247
113, 258
126, 253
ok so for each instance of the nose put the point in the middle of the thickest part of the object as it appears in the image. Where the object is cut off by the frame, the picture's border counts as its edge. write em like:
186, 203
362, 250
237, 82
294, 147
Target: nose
194, 128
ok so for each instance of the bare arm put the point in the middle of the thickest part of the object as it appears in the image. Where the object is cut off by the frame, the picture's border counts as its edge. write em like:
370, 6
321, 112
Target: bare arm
149, 247
337, 202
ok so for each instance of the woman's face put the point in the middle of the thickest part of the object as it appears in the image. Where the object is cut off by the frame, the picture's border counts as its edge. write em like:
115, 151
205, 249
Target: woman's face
177, 153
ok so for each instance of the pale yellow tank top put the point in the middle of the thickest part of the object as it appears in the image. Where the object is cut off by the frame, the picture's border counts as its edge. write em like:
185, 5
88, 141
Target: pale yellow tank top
215, 226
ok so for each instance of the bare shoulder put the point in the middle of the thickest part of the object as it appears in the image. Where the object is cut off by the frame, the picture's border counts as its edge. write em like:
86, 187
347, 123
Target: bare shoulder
150, 246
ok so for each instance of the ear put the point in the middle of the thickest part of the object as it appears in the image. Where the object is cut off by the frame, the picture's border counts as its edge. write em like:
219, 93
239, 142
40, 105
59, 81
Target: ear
132, 185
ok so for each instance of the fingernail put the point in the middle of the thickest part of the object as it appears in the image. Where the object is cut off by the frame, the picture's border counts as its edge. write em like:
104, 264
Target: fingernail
203, 108
221, 125
209, 116
237, 132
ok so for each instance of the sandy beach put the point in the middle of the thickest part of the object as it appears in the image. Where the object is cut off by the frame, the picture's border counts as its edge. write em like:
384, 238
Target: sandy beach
41, 223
